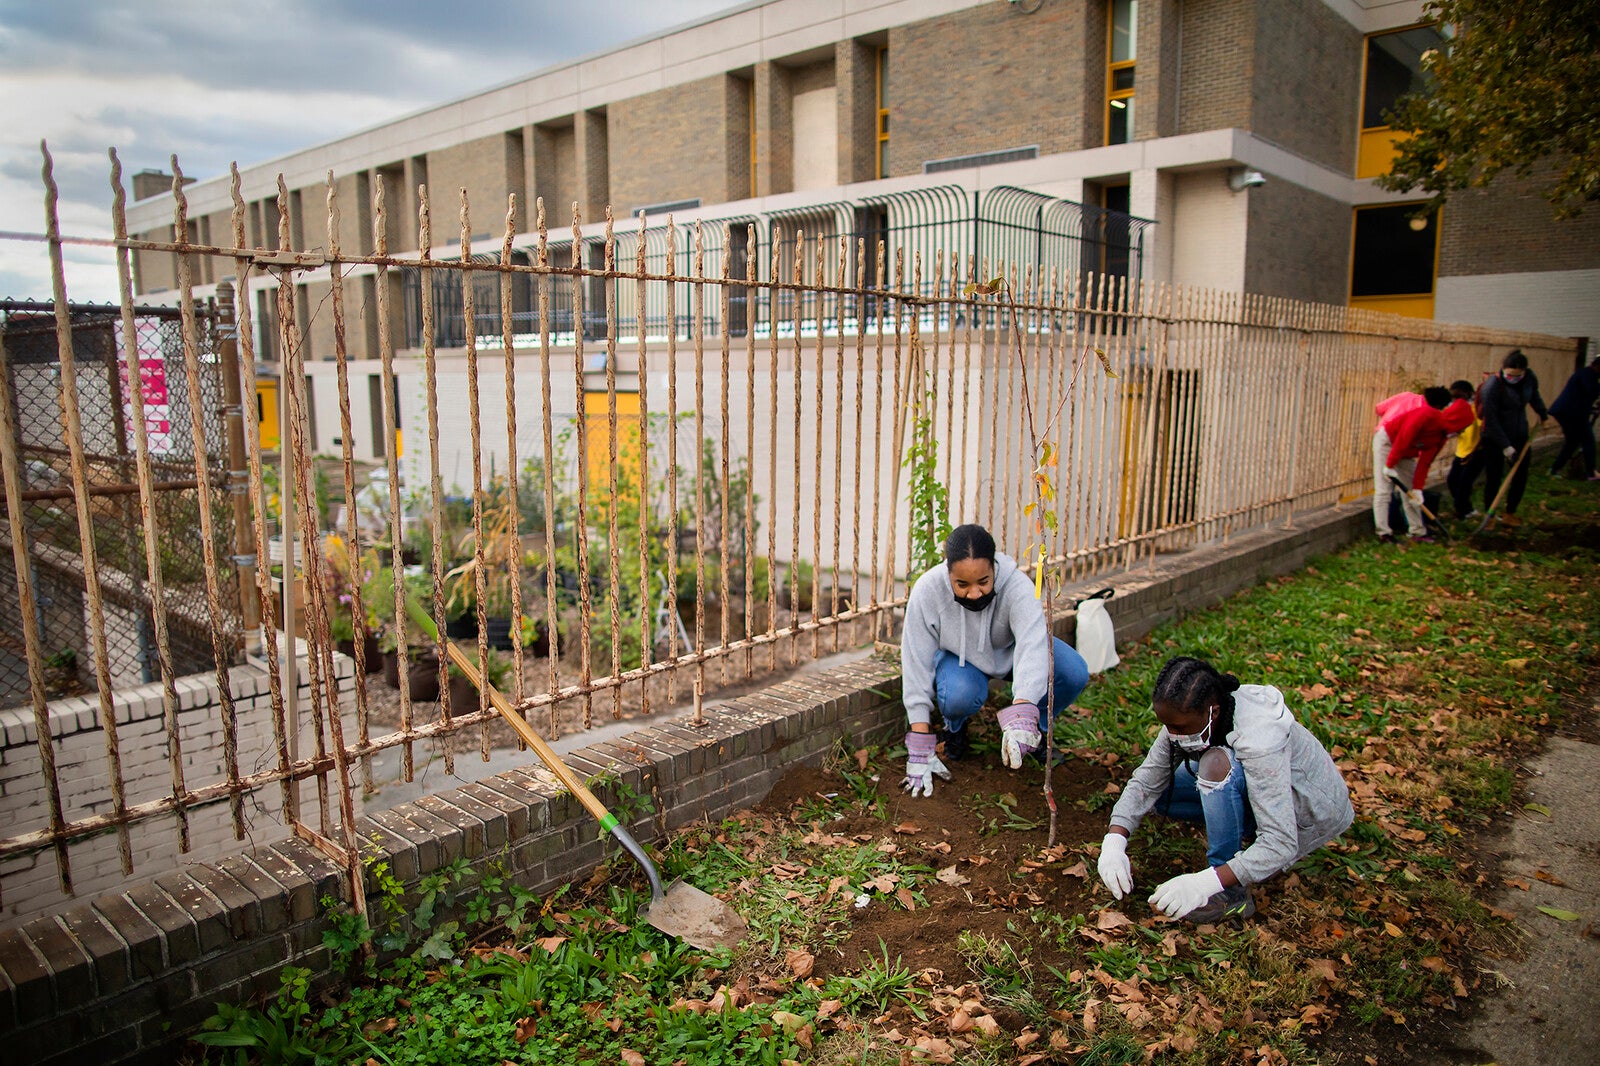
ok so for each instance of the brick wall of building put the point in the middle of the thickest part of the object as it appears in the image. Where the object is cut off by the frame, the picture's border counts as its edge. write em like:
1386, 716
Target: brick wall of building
856, 78
122, 977
991, 77
1218, 65
481, 167
1307, 81
1299, 244
674, 144
1509, 228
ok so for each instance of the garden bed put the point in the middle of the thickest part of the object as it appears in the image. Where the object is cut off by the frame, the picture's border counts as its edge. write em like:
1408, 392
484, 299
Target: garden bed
890, 930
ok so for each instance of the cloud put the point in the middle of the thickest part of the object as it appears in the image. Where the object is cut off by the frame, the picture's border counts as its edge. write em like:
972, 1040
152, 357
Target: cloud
216, 83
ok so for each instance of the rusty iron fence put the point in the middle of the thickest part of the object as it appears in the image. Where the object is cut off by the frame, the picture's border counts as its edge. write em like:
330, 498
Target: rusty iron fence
756, 484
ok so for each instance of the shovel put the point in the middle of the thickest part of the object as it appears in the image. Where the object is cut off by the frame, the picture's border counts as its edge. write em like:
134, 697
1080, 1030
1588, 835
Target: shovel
1428, 515
1505, 485
679, 910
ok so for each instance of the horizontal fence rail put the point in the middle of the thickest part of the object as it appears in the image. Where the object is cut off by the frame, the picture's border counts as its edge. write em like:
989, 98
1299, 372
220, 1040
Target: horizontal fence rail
663, 458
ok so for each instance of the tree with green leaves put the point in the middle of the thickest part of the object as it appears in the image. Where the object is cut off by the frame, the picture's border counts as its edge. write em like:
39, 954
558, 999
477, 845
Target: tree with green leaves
1517, 87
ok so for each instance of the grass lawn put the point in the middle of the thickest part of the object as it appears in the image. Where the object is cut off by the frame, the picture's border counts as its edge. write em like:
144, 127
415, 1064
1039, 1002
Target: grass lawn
891, 930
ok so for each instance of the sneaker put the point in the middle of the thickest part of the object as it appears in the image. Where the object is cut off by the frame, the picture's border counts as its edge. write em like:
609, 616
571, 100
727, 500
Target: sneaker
1593, 477
1426, 538
1473, 515
955, 744
1385, 538
1231, 904
1510, 521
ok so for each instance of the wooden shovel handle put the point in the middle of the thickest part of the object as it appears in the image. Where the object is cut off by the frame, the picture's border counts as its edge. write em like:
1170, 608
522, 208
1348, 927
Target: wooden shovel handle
547, 755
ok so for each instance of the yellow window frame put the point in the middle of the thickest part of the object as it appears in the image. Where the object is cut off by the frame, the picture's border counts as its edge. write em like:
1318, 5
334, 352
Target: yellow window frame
1410, 304
1112, 69
882, 129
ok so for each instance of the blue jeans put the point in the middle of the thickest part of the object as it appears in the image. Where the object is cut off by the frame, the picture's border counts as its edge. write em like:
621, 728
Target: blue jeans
961, 690
1225, 813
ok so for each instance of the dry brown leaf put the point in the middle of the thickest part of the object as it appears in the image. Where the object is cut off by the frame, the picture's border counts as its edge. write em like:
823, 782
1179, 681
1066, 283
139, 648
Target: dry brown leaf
908, 829
1549, 878
1028, 1037
960, 1022
986, 1025
1091, 1016
800, 962
805, 1036
862, 756
629, 1056
1315, 692
1079, 870
906, 899
828, 1008
949, 876
551, 943
1030, 1060
1512, 882
1323, 968
526, 1028
1110, 919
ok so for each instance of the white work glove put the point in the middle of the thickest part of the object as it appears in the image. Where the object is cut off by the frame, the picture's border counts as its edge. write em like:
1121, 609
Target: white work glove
922, 764
1416, 496
1509, 452
1019, 733
1186, 892
1116, 872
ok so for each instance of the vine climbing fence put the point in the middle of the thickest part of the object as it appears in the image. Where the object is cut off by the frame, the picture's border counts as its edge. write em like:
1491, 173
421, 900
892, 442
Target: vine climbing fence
748, 480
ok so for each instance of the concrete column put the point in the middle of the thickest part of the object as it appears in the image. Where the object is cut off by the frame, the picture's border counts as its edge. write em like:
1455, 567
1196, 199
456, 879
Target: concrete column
1150, 195
856, 88
774, 130
593, 163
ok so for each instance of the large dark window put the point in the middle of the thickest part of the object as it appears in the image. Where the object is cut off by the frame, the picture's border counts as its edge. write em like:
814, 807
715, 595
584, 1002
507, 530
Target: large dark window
1394, 253
1394, 68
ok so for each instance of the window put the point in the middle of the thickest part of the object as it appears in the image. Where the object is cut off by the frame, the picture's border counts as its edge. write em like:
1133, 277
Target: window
883, 113
1393, 260
1123, 48
1393, 69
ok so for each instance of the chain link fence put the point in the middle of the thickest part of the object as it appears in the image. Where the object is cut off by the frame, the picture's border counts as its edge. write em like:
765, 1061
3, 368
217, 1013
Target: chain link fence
49, 511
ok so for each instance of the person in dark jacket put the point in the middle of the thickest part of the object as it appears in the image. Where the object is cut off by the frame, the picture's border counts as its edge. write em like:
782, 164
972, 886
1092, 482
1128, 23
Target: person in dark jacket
1574, 411
1502, 405
1233, 758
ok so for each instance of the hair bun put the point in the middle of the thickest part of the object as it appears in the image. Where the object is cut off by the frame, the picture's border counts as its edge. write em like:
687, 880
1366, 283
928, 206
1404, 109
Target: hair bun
1229, 682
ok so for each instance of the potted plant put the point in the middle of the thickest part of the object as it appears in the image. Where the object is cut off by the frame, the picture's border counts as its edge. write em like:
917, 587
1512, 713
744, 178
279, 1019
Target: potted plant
463, 696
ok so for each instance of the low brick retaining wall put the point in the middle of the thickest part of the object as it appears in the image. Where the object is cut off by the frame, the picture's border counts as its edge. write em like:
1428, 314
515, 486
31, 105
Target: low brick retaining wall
121, 978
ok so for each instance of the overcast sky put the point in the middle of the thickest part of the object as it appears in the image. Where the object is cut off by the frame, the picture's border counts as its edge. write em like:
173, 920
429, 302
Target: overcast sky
215, 83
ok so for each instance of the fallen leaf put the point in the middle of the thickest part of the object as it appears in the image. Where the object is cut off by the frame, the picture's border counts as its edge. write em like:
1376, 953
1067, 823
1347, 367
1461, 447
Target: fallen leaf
905, 898
800, 962
791, 1022
1516, 664
805, 1036
908, 828
1392, 929
949, 876
1110, 919
861, 759
551, 943
1512, 882
1079, 870
1028, 1036
959, 1022
1323, 968
1538, 808
525, 1029
1549, 878
986, 1025
629, 1056
1315, 692
1029, 1060
1560, 915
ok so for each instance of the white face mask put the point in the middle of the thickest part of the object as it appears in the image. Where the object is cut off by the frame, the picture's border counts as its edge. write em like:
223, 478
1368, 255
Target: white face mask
1193, 743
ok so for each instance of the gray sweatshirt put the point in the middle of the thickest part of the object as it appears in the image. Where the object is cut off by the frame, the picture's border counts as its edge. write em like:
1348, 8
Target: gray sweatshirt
1006, 637
1297, 794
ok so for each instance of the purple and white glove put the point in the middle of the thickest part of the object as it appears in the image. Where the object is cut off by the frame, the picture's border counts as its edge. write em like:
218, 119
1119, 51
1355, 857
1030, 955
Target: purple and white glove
1019, 733
922, 764
1186, 892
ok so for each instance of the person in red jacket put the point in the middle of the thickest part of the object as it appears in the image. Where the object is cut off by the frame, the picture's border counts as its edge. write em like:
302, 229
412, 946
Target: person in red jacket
1403, 450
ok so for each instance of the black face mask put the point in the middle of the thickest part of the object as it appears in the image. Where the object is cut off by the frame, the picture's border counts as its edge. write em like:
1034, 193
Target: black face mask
976, 603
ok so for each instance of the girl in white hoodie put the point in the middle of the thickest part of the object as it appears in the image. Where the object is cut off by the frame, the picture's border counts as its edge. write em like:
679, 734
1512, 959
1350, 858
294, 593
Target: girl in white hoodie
1233, 758
971, 618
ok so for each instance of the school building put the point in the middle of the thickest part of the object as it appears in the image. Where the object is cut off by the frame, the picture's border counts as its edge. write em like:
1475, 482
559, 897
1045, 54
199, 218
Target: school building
1229, 144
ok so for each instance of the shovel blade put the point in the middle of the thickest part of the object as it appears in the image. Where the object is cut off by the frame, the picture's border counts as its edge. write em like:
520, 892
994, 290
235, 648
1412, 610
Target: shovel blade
696, 917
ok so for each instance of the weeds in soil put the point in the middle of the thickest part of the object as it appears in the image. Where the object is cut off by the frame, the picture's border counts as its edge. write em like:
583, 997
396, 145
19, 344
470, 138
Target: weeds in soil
1428, 672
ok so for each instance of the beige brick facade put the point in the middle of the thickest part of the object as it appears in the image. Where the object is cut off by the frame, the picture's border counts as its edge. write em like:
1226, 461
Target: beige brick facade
1509, 228
1218, 65
1298, 244
482, 167
1306, 88
682, 143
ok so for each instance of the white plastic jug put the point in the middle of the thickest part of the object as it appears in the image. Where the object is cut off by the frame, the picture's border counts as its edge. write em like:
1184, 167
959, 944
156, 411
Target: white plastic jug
1097, 638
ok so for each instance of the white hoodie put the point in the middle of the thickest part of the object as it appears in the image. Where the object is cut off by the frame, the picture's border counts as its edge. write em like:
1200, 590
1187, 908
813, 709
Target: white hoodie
1008, 636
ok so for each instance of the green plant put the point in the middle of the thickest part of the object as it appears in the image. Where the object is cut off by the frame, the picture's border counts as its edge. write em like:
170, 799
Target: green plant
878, 985
930, 498
278, 1035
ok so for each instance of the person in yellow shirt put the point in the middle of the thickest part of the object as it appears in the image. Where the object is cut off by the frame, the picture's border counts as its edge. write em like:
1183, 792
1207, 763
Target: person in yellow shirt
1466, 465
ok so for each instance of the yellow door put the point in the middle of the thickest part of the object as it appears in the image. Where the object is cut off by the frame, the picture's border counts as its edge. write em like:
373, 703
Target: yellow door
267, 412
598, 428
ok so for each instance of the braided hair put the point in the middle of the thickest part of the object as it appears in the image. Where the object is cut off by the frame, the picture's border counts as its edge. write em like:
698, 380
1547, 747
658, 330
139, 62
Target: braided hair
969, 542
1194, 685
